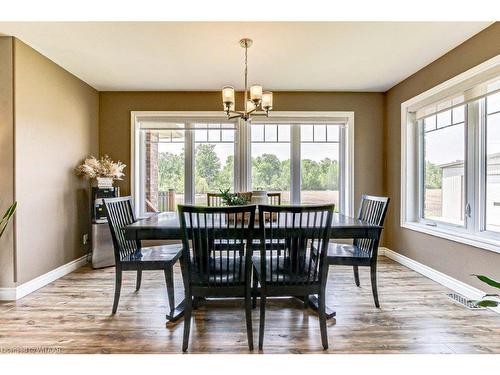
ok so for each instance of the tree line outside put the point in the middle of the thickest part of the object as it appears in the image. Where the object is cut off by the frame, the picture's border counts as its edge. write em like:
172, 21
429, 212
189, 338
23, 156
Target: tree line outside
268, 172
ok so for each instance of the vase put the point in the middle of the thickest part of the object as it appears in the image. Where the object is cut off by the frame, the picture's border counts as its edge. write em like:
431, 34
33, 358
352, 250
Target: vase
104, 182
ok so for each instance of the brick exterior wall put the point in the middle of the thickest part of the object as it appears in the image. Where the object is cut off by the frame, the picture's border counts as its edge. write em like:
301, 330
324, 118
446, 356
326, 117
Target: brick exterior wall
152, 138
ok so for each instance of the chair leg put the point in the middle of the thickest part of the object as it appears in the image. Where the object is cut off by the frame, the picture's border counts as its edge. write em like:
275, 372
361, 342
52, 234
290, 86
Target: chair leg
139, 278
262, 320
322, 319
248, 316
169, 280
306, 301
187, 322
356, 274
373, 275
118, 287
255, 286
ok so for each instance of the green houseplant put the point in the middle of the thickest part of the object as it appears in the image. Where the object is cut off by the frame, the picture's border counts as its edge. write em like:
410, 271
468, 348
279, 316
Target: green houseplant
232, 199
6, 217
489, 300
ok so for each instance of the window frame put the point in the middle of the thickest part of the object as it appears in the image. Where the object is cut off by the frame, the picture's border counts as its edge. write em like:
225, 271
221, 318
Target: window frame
473, 232
243, 160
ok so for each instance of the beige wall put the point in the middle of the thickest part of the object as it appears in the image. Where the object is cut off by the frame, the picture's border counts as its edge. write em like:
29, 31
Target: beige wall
115, 127
56, 125
6, 159
449, 257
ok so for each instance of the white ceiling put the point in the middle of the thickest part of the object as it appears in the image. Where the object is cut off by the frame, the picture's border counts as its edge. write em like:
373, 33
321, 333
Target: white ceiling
347, 56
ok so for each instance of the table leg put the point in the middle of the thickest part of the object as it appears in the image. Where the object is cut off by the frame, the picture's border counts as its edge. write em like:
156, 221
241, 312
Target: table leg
314, 305
177, 313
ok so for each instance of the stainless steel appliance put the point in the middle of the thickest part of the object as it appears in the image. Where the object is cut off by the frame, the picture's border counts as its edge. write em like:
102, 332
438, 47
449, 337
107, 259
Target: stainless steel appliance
102, 243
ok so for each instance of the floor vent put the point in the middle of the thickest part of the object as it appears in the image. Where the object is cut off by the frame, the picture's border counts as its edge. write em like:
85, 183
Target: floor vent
458, 298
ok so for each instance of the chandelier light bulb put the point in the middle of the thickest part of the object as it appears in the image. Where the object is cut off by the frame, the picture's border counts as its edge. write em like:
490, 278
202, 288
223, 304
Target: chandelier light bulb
267, 100
256, 93
228, 95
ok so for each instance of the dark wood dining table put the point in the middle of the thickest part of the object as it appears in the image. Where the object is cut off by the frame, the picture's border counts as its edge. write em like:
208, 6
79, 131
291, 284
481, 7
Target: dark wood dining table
166, 226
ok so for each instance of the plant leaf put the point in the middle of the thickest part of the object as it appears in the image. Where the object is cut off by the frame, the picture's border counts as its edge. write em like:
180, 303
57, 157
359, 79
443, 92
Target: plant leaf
6, 217
488, 281
486, 303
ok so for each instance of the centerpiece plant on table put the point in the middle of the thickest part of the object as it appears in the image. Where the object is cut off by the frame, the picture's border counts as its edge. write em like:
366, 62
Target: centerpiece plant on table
232, 199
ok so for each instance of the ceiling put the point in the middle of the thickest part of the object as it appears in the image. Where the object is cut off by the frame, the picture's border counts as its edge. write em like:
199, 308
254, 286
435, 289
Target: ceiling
321, 56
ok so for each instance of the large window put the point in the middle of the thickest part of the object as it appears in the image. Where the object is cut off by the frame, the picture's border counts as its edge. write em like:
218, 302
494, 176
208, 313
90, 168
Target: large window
178, 158
167, 155
300, 160
443, 164
320, 163
270, 154
451, 159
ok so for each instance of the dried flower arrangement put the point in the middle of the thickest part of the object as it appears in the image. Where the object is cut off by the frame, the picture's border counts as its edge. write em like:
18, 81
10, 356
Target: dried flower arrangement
105, 167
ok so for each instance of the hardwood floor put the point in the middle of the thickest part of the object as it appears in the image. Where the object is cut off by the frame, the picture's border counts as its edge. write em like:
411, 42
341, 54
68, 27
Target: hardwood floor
72, 315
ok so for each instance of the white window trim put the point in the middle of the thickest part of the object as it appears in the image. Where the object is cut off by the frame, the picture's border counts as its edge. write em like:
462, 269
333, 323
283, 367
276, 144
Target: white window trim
409, 218
243, 181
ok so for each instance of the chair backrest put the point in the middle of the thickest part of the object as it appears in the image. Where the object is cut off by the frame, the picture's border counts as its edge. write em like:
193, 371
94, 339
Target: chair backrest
217, 244
214, 199
294, 243
372, 209
274, 199
120, 213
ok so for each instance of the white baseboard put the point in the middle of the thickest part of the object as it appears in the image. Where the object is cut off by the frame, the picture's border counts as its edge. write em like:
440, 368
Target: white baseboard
439, 277
12, 294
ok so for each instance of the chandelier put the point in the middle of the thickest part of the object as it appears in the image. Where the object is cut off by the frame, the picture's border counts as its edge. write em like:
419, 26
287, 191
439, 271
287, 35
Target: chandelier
257, 103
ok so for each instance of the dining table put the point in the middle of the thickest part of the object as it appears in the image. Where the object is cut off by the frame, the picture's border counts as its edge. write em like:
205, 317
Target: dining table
166, 226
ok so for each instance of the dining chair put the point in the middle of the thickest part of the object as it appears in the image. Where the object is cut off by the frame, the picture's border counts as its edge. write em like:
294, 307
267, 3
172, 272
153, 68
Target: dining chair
214, 199
363, 252
289, 263
131, 256
221, 271
274, 199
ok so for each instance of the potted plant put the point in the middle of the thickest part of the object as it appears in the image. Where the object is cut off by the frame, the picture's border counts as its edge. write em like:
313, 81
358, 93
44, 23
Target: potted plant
489, 300
232, 199
6, 217
103, 170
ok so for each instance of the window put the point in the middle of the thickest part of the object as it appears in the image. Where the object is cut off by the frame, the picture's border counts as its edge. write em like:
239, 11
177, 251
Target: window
168, 152
178, 157
443, 165
306, 167
451, 159
214, 160
320, 161
493, 163
271, 159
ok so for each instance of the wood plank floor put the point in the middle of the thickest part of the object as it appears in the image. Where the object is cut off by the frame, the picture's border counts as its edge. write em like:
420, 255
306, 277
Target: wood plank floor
72, 315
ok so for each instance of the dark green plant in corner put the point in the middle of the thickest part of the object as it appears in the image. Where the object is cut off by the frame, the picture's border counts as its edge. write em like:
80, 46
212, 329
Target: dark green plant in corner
487, 301
231, 199
6, 217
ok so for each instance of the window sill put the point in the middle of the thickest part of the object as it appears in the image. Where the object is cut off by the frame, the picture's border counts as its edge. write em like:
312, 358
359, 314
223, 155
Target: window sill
449, 234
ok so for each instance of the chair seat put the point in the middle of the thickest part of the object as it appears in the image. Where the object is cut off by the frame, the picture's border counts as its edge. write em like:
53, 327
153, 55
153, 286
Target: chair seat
347, 254
283, 271
230, 272
156, 254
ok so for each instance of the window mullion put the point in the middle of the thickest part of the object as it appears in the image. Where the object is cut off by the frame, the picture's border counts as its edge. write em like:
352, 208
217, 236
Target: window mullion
295, 164
189, 166
481, 164
472, 186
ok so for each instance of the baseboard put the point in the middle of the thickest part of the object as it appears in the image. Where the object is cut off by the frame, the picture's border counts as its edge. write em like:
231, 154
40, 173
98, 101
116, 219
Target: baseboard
7, 294
439, 277
12, 294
